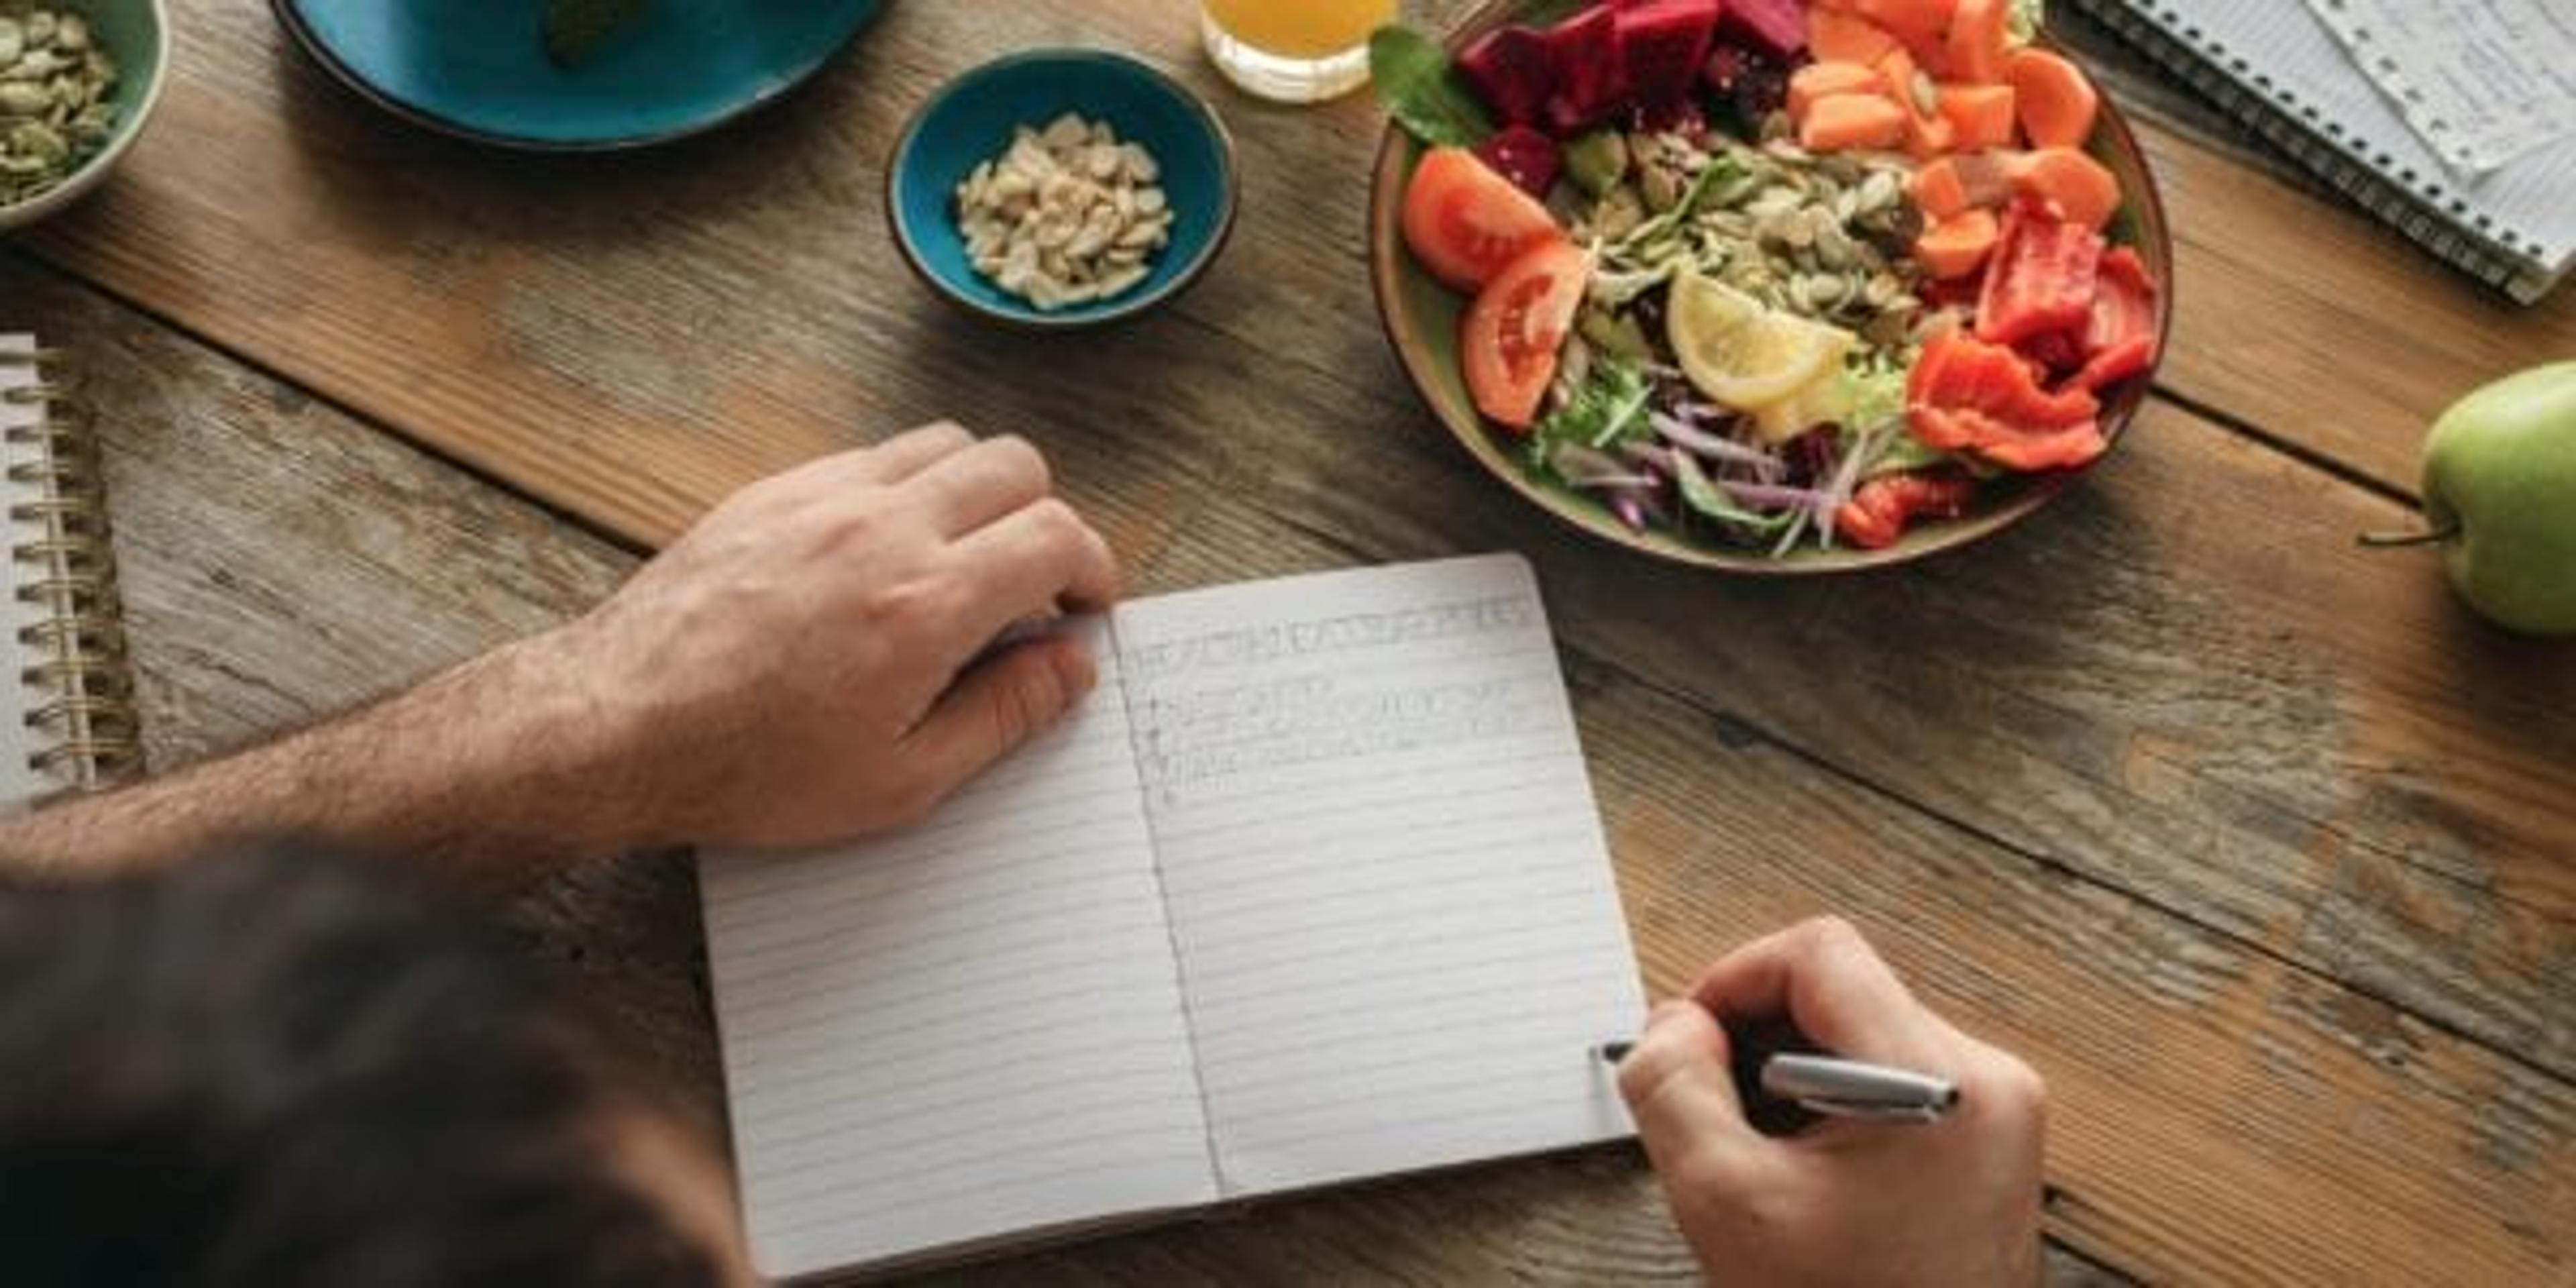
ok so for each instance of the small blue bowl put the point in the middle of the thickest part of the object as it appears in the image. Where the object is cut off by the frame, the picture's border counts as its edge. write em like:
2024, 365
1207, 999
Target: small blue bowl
971, 119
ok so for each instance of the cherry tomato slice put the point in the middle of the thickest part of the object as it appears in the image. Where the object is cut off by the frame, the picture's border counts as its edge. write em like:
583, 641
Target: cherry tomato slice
1466, 222
1509, 339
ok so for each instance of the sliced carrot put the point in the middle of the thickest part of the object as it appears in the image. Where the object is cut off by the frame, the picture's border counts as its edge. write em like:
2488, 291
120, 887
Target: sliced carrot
1838, 122
2083, 189
1937, 191
1912, 21
1981, 115
1816, 80
1927, 132
1955, 247
2056, 103
1834, 36
1989, 177
1977, 41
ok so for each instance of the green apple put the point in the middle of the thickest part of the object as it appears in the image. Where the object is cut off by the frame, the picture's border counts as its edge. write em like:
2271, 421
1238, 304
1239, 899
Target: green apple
2500, 492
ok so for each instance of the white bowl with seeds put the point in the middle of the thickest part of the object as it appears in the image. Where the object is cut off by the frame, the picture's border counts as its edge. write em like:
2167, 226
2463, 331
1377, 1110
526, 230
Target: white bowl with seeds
78, 80
1061, 188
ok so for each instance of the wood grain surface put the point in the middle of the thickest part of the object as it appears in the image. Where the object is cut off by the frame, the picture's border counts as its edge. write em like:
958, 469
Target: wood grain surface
2256, 843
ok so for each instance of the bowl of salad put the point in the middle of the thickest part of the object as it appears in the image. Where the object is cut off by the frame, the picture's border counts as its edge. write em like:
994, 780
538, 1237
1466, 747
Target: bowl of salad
1771, 286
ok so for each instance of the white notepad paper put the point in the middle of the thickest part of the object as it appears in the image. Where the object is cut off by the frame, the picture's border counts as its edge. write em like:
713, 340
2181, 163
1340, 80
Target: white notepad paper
1313, 888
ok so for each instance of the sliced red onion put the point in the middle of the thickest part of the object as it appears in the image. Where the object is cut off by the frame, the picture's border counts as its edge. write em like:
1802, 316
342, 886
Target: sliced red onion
1615, 481
1629, 510
1713, 446
1659, 459
1768, 496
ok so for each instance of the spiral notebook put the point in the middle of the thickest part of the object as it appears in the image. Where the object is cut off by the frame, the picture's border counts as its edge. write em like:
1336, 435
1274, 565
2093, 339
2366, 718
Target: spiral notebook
67, 717
2276, 66
1311, 889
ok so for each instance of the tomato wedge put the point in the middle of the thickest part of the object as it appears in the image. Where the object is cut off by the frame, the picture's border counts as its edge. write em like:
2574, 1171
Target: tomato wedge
1466, 222
1509, 339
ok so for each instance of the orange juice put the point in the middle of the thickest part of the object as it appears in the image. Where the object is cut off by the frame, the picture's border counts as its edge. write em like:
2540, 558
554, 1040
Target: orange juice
1295, 51
1301, 28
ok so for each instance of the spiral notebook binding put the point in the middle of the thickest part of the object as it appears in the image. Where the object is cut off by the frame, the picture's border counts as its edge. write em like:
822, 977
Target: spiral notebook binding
79, 681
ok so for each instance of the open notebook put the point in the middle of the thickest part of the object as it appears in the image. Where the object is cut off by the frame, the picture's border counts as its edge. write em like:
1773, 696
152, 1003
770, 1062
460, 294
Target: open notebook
1313, 888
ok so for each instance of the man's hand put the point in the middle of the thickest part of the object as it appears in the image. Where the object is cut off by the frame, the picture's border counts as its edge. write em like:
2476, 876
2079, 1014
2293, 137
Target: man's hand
809, 663
1846, 1201
796, 669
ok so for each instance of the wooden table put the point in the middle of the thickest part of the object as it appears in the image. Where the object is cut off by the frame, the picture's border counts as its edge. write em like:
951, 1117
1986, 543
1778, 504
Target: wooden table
2257, 844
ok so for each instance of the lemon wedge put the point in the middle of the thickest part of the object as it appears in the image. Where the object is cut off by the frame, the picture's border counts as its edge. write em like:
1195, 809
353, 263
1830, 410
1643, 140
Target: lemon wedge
1823, 400
1741, 353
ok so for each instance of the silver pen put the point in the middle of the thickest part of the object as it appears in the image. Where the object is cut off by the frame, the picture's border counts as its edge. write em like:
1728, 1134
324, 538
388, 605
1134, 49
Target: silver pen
1841, 1088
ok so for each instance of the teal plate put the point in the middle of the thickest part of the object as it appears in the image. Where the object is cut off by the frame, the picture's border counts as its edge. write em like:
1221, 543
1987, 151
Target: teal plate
478, 68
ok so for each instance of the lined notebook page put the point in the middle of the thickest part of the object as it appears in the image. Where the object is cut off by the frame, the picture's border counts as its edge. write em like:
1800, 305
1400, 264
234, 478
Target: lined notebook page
18, 777
1398, 928
968, 1030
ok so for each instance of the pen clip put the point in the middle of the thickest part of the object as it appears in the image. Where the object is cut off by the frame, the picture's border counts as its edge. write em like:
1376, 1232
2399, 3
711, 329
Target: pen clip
1881, 1113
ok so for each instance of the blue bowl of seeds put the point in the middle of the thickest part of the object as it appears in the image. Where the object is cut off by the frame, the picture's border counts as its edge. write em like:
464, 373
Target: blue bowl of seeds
953, 170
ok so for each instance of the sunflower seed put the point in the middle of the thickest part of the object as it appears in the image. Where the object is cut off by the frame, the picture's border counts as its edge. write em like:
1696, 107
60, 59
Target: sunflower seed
1834, 247
71, 34
13, 41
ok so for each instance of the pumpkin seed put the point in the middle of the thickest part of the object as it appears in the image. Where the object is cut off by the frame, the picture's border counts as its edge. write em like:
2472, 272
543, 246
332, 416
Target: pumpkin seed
54, 99
1879, 192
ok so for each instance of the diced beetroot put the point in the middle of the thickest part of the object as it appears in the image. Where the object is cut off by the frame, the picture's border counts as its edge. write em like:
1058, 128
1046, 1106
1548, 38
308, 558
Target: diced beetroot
1758, 85
1526, 157
1662, 46
1514, 71
1725, 63
1591, 81
1776, 27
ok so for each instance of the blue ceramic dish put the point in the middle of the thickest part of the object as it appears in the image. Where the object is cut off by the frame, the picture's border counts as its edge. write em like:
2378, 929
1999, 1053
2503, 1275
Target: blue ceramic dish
478, 68
971, 119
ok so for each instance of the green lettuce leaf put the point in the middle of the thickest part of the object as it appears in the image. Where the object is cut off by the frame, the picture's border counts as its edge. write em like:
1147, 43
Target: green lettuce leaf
1415, 80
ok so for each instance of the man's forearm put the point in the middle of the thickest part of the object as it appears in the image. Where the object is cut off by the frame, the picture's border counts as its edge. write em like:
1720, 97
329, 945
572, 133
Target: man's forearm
492, 773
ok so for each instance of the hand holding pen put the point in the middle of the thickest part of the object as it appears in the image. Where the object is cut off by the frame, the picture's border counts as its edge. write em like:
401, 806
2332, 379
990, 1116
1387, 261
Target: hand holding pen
1950, 1196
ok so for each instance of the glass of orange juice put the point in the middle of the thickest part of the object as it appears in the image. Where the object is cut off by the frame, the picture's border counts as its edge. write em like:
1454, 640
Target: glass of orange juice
1294, 51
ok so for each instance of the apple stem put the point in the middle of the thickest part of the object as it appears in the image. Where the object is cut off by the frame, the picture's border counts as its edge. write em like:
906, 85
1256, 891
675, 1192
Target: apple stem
2396, 540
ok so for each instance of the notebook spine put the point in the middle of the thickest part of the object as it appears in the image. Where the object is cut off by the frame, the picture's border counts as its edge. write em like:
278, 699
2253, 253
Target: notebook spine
2420, 217
79, 683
